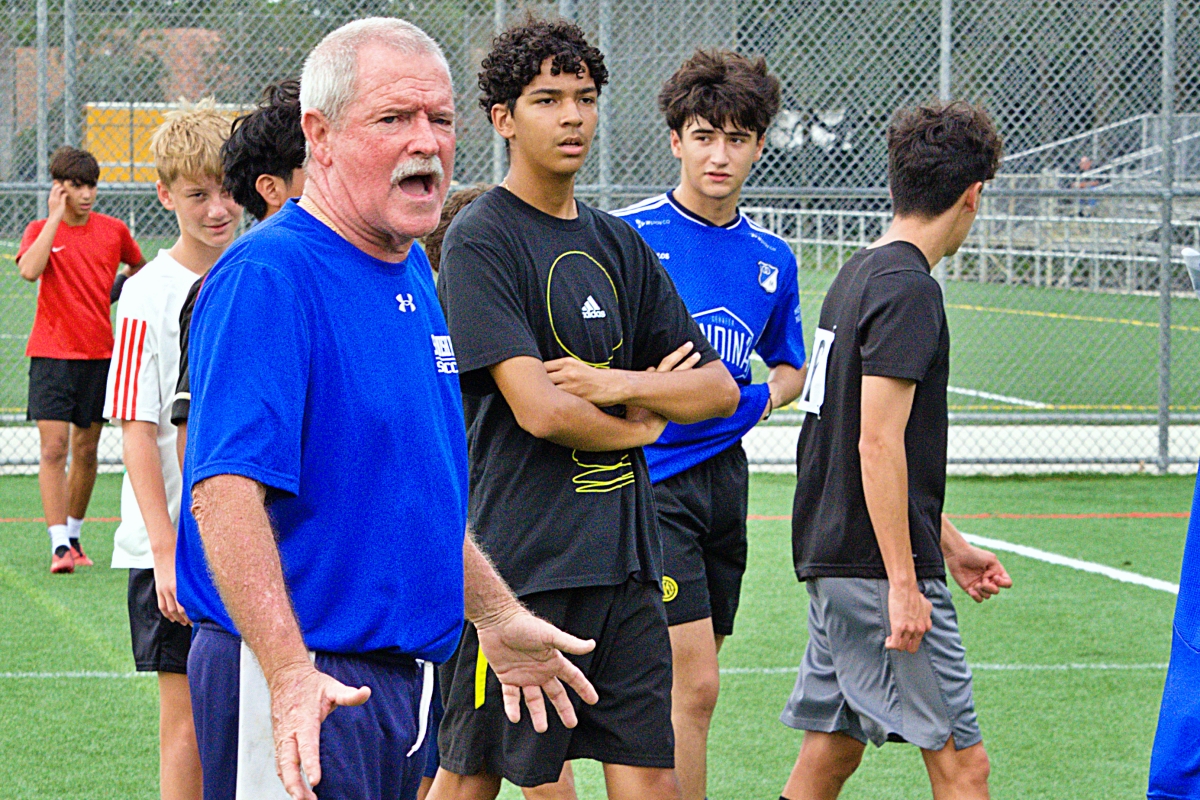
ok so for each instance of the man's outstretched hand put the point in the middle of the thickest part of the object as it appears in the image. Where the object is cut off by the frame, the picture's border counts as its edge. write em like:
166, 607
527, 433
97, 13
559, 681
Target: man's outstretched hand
978, 572
526, 653
301, 699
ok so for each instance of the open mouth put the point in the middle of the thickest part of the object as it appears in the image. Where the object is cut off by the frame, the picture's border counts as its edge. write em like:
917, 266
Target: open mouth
571, 145
420, 185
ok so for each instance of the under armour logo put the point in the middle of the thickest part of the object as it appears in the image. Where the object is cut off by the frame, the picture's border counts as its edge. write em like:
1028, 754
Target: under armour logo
406, 302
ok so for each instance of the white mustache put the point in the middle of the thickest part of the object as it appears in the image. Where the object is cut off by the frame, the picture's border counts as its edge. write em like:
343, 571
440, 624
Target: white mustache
427, 165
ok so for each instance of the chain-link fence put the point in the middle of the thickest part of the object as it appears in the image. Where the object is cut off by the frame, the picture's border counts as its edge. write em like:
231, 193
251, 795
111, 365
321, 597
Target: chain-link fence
1076, 335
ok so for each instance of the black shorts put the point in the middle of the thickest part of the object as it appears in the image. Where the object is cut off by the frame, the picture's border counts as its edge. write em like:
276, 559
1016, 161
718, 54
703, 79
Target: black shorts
630, 668
67, 390
159, 645
702, 520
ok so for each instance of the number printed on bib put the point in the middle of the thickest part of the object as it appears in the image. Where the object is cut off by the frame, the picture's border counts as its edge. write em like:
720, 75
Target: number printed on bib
813, 396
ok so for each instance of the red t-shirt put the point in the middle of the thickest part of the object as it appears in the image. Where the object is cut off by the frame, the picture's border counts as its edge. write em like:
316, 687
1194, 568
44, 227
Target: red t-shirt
72, 320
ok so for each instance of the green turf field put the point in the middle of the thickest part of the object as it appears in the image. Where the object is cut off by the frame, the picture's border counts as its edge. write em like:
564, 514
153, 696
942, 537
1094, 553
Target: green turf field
1066, 350
1006, 340
1053, 730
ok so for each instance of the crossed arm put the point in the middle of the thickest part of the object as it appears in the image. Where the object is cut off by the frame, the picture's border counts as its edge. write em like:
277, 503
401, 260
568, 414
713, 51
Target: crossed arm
561, 400
886, 405
525, 652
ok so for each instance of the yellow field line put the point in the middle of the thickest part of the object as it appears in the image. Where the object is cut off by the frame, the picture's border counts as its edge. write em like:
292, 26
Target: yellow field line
1074, 317
69, 620
1070, 407
1023, 312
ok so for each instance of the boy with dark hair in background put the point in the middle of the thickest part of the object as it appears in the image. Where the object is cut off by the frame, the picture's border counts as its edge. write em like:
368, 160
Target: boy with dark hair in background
739, 283
566, 331
76, 253
263, 159
885, 661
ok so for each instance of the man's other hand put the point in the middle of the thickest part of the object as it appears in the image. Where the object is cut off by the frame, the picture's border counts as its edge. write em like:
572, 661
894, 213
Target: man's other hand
301, 698
978, 572
526, 653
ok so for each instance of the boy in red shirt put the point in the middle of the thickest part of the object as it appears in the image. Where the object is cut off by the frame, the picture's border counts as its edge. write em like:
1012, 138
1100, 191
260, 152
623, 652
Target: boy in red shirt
76, 253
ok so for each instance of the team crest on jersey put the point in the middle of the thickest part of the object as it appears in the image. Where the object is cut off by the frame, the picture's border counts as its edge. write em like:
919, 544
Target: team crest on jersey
730, 337
443, 354
768, 277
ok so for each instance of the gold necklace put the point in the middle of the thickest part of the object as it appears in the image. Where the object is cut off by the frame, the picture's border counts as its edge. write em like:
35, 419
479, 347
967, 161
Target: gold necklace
308, 204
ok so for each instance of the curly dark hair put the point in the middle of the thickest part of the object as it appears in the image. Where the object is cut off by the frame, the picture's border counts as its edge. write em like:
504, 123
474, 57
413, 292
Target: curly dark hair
455, 203
517, 55
721, 86
935, 152
267, 141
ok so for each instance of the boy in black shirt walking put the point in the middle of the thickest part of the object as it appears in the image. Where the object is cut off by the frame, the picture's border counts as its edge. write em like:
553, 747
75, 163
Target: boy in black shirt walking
566, 331
884, 660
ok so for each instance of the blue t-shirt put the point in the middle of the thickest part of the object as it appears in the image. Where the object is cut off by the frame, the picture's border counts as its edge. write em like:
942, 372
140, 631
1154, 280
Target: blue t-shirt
1175, 759
739, 283
328, 376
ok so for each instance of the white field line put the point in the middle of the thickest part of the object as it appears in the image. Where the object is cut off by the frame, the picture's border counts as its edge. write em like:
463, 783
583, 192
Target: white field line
1073, 563
974, 667
1003, 398
55, 676
982, 541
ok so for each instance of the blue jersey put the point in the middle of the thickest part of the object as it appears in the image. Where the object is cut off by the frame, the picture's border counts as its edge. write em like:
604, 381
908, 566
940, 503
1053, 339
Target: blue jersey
328, 376
739, 283
1175, 759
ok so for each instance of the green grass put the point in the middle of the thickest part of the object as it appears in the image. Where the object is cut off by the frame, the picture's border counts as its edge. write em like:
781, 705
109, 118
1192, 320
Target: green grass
1051, 734
1070, 350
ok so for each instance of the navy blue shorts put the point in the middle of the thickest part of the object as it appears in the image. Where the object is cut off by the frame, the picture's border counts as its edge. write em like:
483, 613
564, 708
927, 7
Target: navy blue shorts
436, 712
363, 748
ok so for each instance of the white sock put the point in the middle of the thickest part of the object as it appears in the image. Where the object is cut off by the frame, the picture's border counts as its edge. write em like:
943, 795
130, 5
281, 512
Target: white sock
74, 526
58, 537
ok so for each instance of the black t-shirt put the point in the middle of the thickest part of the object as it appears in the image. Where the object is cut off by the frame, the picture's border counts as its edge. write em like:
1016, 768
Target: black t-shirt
517, 282
182, 403
885, 317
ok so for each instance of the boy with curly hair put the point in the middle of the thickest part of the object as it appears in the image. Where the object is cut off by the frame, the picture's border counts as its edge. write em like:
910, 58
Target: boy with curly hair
567, 333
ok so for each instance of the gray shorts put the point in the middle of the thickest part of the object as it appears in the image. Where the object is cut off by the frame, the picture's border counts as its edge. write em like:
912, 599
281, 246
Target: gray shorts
849, 683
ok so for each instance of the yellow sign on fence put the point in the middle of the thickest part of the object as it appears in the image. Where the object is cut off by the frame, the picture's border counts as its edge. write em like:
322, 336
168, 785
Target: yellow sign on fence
118, 135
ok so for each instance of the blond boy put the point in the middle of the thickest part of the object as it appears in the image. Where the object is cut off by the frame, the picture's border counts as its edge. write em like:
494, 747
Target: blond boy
141, 383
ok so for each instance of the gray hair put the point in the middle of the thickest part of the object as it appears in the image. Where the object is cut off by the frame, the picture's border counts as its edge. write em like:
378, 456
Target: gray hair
331, 69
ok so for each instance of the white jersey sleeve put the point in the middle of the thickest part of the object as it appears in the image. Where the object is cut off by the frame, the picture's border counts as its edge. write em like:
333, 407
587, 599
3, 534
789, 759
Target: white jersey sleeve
133, 375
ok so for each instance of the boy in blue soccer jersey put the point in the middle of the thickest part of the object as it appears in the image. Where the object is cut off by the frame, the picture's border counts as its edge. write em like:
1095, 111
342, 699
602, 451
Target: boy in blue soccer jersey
739, 283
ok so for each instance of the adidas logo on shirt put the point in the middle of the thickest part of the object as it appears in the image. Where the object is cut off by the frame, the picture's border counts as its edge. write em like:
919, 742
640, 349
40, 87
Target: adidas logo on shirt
592, 310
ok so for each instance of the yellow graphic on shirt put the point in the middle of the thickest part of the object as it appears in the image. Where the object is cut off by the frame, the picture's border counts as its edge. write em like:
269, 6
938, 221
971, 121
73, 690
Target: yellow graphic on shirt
606, 362
599, 478
481, 665
670, 589
592, 345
